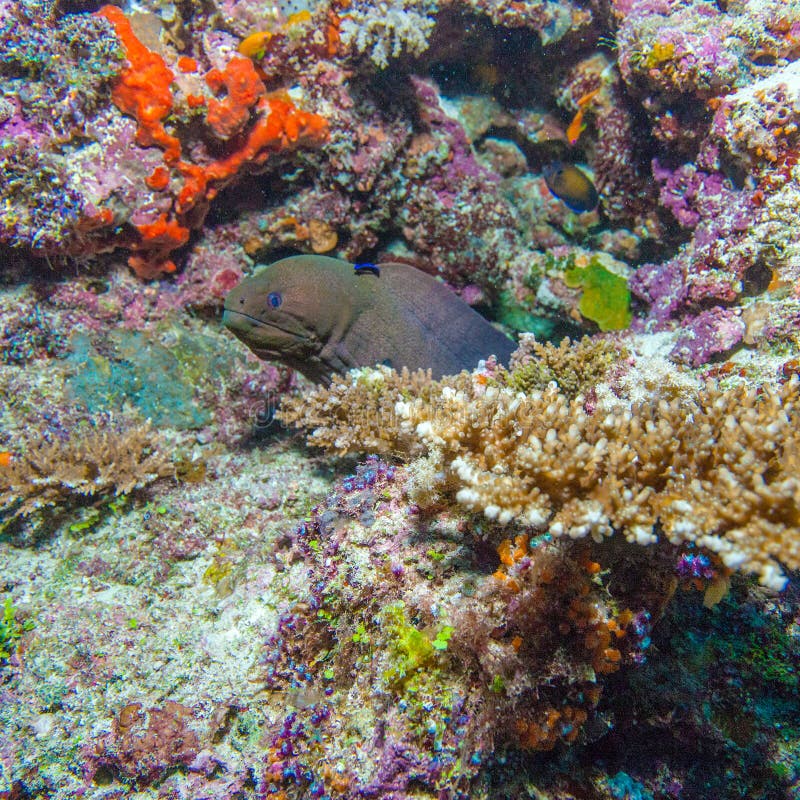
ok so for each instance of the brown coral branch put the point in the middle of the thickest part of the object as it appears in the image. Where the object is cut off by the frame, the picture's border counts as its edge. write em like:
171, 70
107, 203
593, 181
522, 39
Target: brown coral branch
719, 469
106, 457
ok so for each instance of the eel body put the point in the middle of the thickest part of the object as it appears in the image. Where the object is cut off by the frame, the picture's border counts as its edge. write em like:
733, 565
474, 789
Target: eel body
321, 316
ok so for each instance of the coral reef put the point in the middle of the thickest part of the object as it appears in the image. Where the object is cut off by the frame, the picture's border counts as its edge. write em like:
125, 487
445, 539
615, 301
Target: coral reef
144, 746
100, 456
448, 657
167, 193
736, 174
716, 469
541, 581
463, 664
409, 156
388, 30
11, 629
575, 367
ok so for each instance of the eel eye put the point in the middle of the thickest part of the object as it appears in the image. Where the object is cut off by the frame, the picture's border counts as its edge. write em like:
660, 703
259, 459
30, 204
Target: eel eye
274, 299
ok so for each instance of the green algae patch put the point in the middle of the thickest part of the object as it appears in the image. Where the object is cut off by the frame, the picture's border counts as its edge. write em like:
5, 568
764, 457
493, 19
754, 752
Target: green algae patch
160, 381
11, 629
513, 314
412, 650
606, 298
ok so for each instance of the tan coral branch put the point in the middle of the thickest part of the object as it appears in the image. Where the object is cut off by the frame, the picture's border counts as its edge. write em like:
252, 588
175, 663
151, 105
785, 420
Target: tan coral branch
108, 457
719, 469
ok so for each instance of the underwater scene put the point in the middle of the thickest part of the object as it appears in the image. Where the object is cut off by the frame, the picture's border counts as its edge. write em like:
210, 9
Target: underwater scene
400, 399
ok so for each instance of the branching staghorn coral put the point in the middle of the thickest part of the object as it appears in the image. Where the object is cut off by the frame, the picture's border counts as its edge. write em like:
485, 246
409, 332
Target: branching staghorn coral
574, 366
106, 457
718, 469
359, 415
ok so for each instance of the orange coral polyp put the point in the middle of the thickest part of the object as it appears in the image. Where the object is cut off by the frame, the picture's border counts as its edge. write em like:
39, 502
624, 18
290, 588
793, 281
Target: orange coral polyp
158, 179
187, 64
280, 124
143, 91
228, 116
332, 34
148, 268
194, 187
504, 551
164, 232
162, 236
95, 218
143, 88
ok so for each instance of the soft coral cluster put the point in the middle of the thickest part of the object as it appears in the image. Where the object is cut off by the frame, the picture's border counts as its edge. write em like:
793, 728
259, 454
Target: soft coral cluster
726, 166
461, 663
454, 214
710, 267
680, 49
54, 77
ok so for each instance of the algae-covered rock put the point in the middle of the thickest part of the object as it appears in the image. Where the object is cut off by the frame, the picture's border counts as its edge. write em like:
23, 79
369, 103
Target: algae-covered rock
135, 367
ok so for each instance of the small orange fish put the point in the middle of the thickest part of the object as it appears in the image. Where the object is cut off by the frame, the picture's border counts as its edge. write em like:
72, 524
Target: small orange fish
255, 45
6, 458
582, 101
578, 126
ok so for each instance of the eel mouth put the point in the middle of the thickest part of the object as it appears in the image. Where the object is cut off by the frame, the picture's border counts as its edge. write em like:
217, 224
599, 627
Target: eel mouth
265, 339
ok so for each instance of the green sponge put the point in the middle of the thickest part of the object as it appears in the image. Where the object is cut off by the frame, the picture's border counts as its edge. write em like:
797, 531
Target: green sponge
606, 298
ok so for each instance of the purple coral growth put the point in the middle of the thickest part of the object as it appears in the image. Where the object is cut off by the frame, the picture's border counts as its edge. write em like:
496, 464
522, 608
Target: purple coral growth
695, 565
692, 194
711, 333
638, 633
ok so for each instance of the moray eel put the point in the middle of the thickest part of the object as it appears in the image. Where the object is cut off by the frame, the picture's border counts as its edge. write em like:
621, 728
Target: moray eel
322, 316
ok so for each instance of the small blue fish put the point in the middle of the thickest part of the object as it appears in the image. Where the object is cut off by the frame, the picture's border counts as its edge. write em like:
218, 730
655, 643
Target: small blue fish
571, 186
